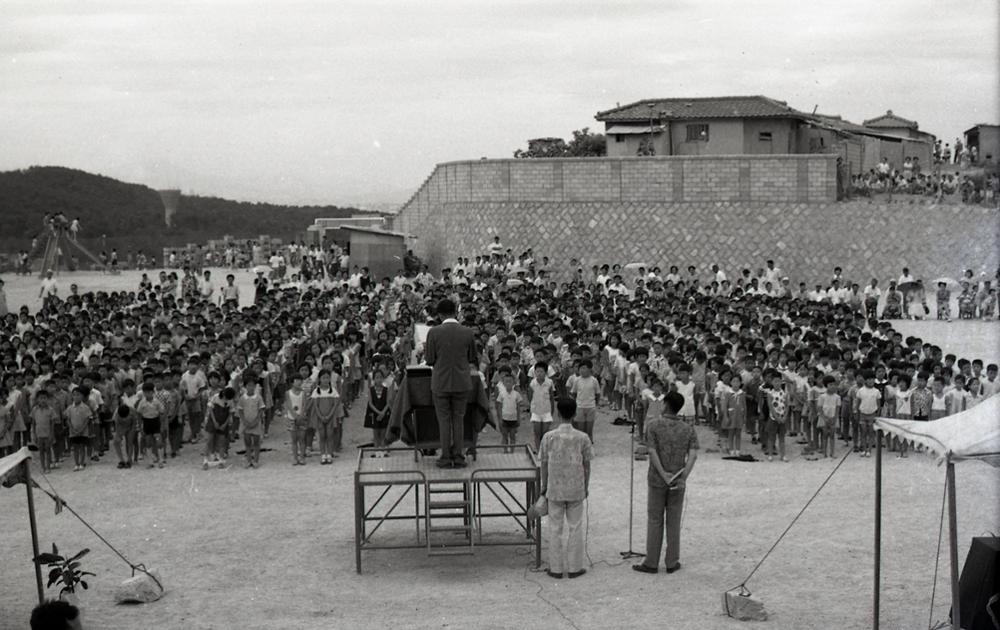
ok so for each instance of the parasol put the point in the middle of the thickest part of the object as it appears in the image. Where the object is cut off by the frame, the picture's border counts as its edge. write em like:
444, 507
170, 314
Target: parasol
261, 269
950, 282
912, 285
636, 265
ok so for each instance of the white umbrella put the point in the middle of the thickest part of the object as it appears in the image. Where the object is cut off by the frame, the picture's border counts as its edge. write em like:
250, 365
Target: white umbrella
950, 282
261, 269
636, 265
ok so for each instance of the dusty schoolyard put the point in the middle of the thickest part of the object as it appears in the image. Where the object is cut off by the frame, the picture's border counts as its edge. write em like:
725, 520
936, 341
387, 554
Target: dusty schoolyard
274, 547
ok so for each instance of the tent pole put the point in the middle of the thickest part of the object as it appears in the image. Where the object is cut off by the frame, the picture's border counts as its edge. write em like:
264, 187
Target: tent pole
956, 615
878, 530
34, 529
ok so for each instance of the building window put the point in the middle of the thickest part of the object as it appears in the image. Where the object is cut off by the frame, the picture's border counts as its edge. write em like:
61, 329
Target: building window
764, 136
697, 133
619, 137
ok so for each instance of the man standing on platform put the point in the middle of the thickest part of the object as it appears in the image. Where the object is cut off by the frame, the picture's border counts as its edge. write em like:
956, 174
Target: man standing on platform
673, 446
451, 351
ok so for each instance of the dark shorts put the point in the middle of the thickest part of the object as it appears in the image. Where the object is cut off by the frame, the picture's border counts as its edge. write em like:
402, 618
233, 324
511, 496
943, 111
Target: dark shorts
150, 426
511, 424
79, 439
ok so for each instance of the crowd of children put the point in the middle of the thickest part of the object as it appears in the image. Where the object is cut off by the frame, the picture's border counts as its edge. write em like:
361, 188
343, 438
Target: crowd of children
144, 373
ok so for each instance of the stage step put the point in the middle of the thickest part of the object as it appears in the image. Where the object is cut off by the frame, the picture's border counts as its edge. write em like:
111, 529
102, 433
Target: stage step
451, 529
442, 505
451, 551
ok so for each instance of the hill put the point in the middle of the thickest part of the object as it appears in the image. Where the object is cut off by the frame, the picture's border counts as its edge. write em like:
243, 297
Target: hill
130, 216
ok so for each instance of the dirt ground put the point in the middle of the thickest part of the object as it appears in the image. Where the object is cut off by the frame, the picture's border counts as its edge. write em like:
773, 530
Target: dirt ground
273, 547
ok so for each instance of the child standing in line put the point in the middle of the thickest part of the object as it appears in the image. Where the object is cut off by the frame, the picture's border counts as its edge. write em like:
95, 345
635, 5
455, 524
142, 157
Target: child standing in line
939, 399
867, 401
6, 425
733, 412
295, 413
587, 392
686, 388
250, 411
828, 409
324, 412
124, 432
151, 414
508, 403
541, 401
773, 397
377, 412
79, 417
43, 419
217, 423
903, 409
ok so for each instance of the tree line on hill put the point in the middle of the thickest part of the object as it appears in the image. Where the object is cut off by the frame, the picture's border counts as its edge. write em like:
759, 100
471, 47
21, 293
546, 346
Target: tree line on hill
119, 215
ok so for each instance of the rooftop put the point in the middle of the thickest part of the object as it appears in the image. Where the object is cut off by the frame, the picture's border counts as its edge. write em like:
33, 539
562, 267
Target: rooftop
890, 120
707, 107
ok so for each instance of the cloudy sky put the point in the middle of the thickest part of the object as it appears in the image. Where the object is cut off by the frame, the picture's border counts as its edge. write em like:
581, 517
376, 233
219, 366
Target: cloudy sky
355, 101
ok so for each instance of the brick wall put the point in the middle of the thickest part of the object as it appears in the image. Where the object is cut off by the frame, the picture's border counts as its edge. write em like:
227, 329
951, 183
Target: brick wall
734, 211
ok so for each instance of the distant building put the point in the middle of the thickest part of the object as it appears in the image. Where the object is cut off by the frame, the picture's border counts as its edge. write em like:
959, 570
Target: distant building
755, 125
898, 126
324, 231
724, 125
986, 139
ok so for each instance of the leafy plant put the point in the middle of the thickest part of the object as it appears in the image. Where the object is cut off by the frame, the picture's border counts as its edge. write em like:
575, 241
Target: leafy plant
64, 570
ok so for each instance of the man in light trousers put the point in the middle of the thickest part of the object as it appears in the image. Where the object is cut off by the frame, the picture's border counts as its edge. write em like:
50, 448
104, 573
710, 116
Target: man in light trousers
565, 455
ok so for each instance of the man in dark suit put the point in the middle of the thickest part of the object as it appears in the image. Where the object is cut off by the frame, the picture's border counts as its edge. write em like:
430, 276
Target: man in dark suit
451, 350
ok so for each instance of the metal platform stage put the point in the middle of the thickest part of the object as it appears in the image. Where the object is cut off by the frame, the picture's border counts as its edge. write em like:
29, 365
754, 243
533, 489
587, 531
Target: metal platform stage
449, 504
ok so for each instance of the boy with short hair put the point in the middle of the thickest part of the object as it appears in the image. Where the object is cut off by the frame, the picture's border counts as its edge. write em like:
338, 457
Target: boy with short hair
587, 394
827, 413
867, 401
541, 401
43, 419
151, 413
250, 412
508, 403
79, 416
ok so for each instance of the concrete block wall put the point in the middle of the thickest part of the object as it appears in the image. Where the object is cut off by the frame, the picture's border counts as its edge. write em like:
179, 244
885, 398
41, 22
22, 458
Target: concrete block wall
736, 211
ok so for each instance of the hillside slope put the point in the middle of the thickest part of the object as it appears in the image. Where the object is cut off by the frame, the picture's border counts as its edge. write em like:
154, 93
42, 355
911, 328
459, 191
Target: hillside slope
130, 216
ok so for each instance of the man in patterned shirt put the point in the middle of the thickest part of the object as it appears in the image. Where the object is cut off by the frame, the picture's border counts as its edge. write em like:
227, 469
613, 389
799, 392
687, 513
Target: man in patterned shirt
673, 446
565, 455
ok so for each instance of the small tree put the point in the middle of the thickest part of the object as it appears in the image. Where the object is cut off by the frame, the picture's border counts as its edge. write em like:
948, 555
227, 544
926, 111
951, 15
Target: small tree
646, 148
583, 144
64, 571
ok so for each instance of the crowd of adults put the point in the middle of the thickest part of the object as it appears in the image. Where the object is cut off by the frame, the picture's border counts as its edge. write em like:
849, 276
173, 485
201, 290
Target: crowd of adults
910, 178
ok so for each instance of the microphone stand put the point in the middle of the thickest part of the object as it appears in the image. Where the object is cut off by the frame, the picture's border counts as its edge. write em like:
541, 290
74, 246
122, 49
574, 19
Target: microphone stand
631, 494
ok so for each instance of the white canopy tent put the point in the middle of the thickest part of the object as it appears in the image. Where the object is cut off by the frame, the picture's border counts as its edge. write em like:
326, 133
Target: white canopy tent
11, 465
971, 434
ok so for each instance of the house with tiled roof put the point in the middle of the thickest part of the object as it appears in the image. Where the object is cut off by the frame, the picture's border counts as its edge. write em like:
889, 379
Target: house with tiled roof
720, 125
898, 126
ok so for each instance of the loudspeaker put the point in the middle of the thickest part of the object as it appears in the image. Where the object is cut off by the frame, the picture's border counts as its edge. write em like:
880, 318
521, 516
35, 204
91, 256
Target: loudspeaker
979, 586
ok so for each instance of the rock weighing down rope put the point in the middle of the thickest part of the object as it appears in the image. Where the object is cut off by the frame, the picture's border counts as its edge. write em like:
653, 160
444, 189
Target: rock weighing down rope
61, 503
738, 602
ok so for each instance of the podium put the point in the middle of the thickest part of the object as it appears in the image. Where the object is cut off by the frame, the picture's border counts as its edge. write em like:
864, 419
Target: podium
414, 421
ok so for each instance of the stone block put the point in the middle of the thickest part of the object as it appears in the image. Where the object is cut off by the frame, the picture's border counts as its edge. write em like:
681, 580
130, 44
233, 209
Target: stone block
743, 607
141, 588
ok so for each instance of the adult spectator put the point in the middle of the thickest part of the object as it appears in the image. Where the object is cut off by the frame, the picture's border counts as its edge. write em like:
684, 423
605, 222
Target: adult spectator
451, 351
565, 455
673, 446
56, 615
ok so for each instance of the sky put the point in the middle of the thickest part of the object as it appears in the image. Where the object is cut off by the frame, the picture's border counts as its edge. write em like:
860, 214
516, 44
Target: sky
338, 102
